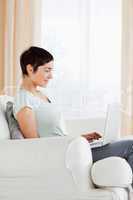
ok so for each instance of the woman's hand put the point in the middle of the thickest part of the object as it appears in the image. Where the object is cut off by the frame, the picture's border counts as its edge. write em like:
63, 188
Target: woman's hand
91, 136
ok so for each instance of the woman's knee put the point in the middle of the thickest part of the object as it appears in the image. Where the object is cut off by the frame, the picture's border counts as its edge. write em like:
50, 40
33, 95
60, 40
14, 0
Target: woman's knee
123, 147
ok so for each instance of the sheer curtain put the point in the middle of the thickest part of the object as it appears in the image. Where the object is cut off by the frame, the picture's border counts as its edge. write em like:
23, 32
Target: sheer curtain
127, 68
2, 24
20, 28
85, 39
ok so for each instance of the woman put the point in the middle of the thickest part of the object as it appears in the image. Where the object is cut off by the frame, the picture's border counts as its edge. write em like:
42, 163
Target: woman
31, 105
38, 117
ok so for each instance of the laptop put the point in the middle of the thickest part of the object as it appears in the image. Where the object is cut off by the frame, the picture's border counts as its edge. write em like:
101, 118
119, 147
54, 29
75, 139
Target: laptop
111, 127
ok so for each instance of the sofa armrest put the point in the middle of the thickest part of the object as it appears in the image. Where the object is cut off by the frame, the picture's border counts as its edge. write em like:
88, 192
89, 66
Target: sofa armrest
55, 162
111, 172
79, 163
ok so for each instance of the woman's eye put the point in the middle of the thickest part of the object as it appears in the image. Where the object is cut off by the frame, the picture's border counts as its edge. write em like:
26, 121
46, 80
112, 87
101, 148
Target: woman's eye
46, 70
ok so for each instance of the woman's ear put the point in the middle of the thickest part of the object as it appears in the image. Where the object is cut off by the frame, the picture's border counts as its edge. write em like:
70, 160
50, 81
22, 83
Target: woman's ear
29, 69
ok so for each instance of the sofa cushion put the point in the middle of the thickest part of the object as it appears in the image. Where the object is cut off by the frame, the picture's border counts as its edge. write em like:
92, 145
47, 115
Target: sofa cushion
111, 172
4, 130
14, 129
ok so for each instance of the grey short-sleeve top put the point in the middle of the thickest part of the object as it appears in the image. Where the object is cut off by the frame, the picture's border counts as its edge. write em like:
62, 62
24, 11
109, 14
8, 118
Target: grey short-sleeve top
48, 117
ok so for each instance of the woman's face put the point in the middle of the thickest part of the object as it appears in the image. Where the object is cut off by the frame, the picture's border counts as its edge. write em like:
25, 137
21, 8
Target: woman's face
43, 74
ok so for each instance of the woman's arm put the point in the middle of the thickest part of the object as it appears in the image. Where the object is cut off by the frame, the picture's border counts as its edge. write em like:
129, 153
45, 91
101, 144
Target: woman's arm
27, 123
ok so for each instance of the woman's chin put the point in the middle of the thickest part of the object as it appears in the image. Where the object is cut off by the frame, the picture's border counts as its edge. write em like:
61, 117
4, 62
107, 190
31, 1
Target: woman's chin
44, 85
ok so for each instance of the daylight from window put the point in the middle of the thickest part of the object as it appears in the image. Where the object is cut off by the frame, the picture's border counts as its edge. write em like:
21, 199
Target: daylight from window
85, 39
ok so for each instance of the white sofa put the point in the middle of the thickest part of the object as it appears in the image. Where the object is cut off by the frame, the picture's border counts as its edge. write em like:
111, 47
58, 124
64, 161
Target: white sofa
57, 168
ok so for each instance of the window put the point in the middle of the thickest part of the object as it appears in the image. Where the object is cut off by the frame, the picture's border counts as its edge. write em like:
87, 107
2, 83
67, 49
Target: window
85, 39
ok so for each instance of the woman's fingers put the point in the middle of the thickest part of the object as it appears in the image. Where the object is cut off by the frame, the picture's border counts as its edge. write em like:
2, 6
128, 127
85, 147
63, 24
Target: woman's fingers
93, 135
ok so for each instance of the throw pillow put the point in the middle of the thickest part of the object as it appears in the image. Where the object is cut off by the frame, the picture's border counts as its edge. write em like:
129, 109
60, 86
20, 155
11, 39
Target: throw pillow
4, 130
13, 125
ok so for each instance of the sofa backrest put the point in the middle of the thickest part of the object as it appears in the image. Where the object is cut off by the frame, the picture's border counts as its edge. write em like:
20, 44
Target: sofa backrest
4, 99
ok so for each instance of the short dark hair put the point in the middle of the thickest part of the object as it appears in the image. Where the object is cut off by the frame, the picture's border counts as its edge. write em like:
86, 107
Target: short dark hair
35, 56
